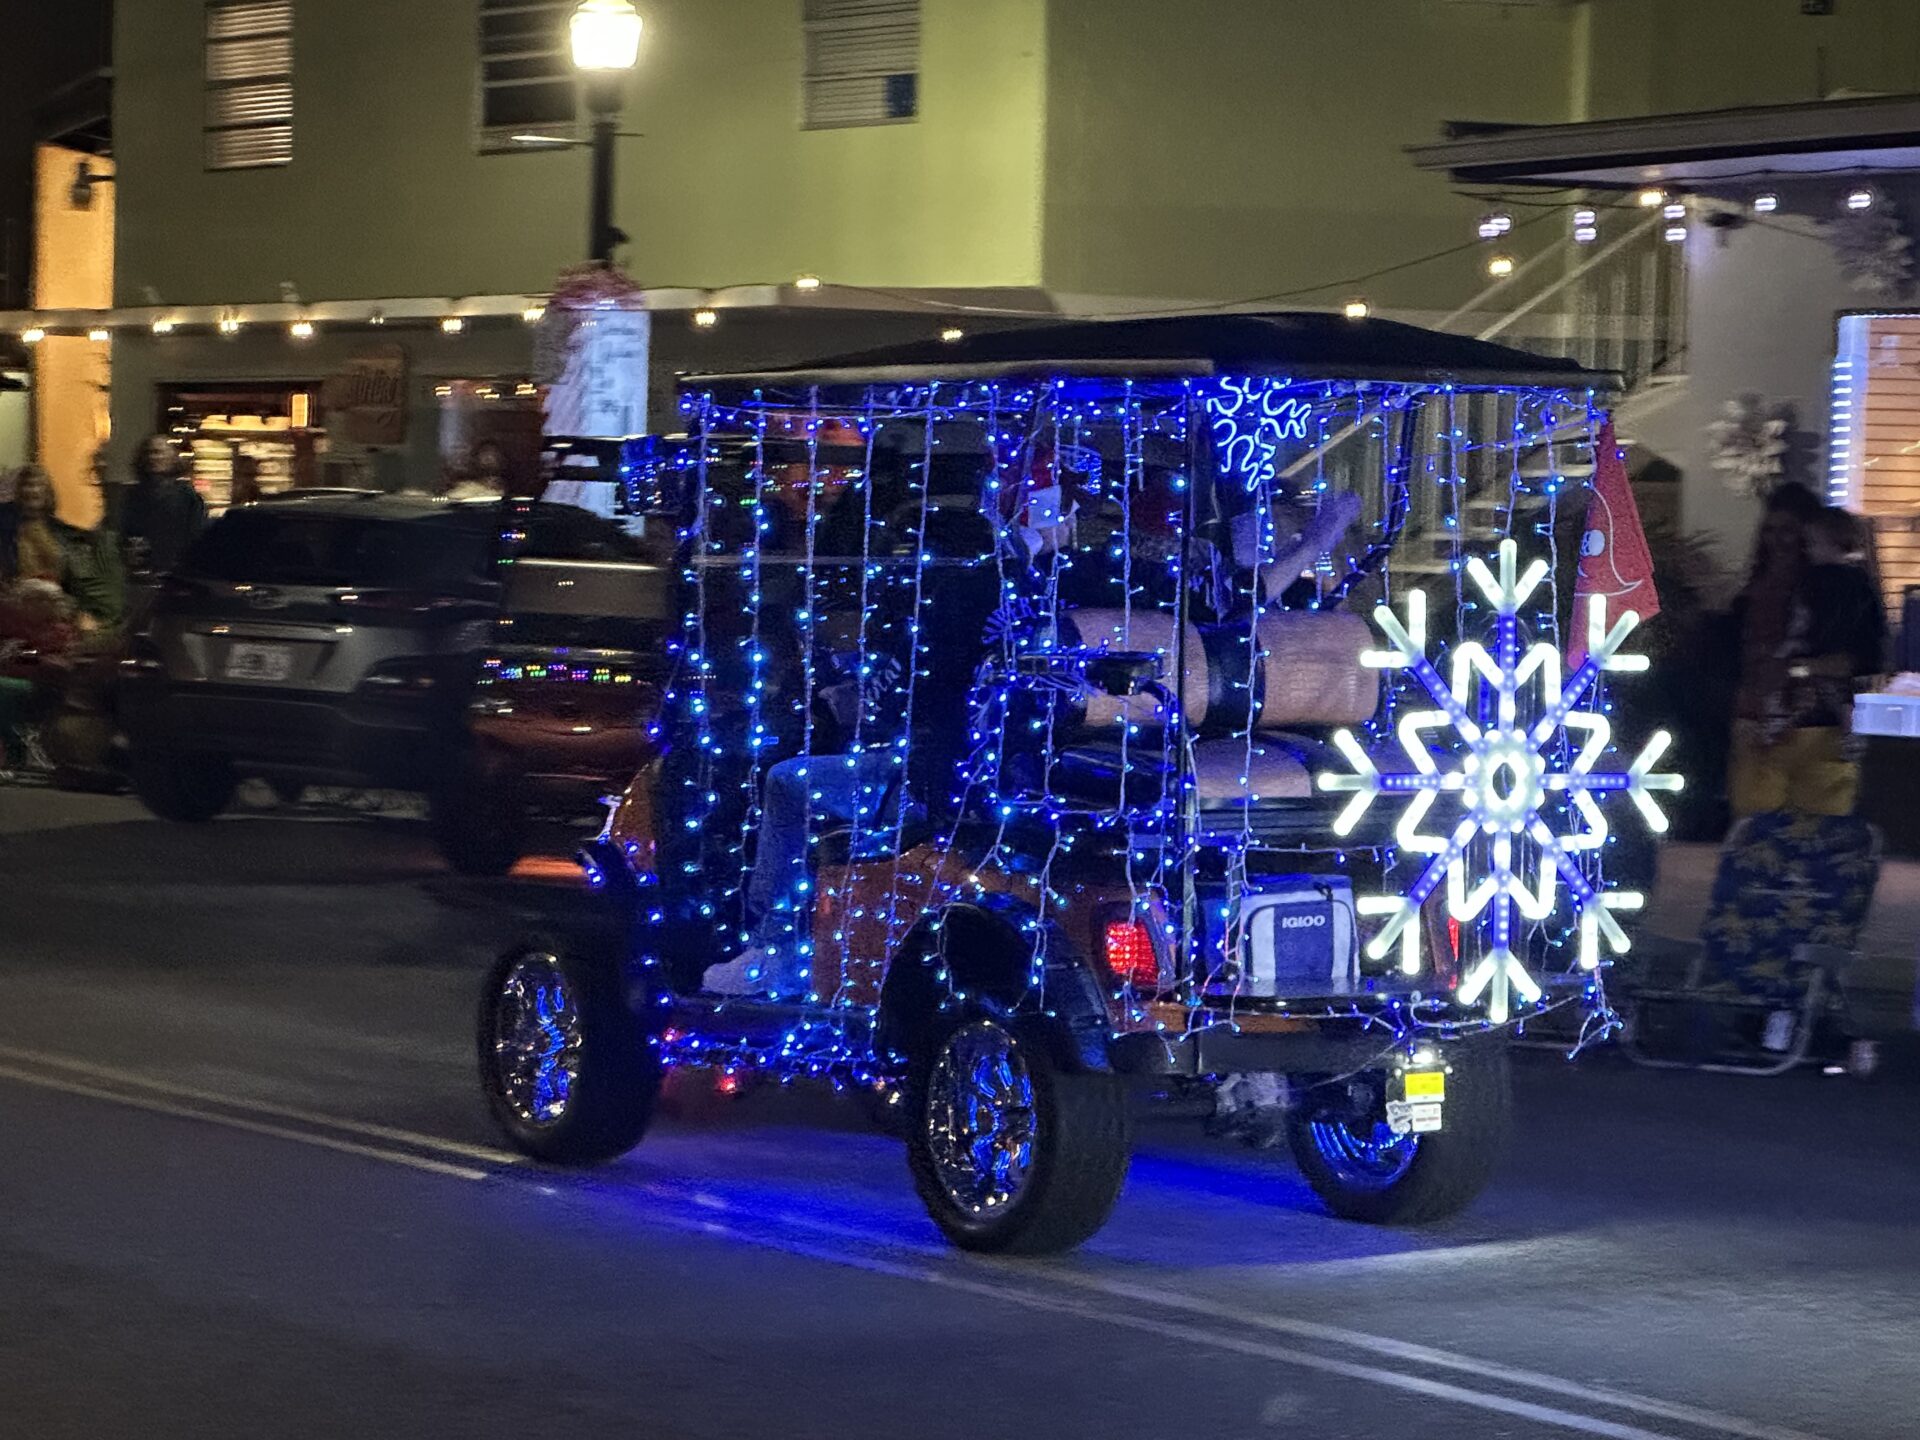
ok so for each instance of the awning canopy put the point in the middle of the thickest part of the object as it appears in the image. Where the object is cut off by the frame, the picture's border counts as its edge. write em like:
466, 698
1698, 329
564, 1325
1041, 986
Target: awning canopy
1308, 345
1874, 135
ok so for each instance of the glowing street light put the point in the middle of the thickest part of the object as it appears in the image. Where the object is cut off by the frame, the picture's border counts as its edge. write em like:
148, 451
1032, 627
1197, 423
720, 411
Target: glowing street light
605, 36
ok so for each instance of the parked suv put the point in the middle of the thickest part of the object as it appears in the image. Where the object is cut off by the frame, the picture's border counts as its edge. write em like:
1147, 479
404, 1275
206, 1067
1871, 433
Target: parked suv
326, 639
567, 689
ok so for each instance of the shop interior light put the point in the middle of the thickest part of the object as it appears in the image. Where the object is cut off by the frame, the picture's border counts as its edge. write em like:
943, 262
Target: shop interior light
1860, 199
605, 35
301, 330
807, 282
1500, 266
1357, 310
32, 335
706, 319
452, 325
1766, 204
1651, 197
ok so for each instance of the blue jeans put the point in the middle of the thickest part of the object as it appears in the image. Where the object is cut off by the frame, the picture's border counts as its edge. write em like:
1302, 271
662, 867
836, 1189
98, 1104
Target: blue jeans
835, 790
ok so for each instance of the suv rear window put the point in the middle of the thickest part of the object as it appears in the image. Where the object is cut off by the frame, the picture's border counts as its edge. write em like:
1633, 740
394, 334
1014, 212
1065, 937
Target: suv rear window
262, 547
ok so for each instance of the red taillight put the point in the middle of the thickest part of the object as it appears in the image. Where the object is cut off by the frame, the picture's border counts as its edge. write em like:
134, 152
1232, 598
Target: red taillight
1131, 955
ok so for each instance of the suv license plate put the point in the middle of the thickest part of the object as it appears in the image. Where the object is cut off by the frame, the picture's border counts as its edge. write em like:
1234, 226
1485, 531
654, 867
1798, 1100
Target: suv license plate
259, 662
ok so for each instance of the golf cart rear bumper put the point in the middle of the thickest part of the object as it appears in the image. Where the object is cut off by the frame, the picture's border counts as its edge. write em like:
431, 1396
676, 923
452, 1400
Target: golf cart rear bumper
1310, 1049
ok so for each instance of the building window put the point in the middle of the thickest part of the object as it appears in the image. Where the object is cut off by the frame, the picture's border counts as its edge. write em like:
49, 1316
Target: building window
249, 119
527, 88
863, 62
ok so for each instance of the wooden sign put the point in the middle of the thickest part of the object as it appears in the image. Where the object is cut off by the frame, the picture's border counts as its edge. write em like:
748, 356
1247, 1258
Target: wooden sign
367, 399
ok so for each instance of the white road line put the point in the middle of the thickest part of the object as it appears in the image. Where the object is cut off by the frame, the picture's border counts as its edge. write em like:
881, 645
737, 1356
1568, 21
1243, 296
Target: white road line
1427, 1355
486, 1154
235, 1122
1236, 1318
1240, 1318
1173, 1330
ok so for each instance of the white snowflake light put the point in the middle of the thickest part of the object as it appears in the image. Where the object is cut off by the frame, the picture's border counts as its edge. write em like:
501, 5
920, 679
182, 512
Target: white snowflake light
1501, 770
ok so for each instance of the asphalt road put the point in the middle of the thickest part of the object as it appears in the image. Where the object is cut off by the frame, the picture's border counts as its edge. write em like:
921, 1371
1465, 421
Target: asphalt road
249, 1188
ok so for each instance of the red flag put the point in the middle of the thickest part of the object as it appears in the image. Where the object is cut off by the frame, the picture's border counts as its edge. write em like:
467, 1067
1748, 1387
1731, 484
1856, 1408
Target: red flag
1614, 560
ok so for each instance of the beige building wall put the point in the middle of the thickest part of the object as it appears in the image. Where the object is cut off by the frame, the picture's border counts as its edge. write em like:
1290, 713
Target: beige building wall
1244, 148
387, 193
73, 269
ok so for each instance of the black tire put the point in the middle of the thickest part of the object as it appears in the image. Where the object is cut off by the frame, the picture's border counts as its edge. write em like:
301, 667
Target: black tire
1081, 1143
190, 789
480, 826
614, 1081
1447, 1170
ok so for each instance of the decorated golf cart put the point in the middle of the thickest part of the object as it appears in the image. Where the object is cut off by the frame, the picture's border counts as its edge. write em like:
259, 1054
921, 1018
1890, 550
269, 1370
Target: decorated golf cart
1100, 708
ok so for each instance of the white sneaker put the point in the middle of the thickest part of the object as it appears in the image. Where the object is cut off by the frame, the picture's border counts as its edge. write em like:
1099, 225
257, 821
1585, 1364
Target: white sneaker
745, 974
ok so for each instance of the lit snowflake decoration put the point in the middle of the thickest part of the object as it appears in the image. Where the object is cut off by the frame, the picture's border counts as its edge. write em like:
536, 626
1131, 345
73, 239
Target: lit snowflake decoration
1503, 772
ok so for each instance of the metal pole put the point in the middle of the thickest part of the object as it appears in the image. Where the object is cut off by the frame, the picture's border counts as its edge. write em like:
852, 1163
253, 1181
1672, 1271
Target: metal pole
601, 234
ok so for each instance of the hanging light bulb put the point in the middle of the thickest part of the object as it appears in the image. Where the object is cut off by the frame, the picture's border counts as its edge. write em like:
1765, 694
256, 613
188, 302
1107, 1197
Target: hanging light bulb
301, 330
163, 326
534, 314
452, 325
952, 334
99, 336
706, 319
807, 282
1357, 310
32, 335
1651, 197
229, 325
1500, 266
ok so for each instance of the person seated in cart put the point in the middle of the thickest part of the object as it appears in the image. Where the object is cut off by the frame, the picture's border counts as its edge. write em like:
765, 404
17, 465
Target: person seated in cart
890, 708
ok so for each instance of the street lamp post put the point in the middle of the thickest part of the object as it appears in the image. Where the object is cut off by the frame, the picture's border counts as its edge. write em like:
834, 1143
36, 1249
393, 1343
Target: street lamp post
606, 45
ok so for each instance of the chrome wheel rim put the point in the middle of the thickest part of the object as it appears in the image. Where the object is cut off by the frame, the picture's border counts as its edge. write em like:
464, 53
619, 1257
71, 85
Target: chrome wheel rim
1366, 1154
536, 1040
980, 1119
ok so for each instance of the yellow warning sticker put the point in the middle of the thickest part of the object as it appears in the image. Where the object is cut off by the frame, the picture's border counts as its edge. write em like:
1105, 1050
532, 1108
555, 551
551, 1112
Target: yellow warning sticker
1426, 1084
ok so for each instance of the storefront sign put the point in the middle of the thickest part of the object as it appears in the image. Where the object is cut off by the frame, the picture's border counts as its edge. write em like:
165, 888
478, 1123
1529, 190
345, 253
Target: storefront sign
368, 399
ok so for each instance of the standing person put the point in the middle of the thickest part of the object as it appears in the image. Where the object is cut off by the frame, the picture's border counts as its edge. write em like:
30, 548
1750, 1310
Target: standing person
163, 512
1838, 640
1756, 772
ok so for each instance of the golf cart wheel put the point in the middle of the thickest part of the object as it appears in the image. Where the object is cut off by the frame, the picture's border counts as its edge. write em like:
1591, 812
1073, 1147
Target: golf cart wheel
1362, 1171
187, 788
1009, 1153
567, 1068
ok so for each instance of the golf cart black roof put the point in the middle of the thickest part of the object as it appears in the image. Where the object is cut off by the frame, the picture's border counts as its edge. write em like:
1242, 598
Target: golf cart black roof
1302, 345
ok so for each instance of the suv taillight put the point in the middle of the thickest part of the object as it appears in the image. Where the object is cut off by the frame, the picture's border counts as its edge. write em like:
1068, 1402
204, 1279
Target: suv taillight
1131, 955
392, 601
401, 677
